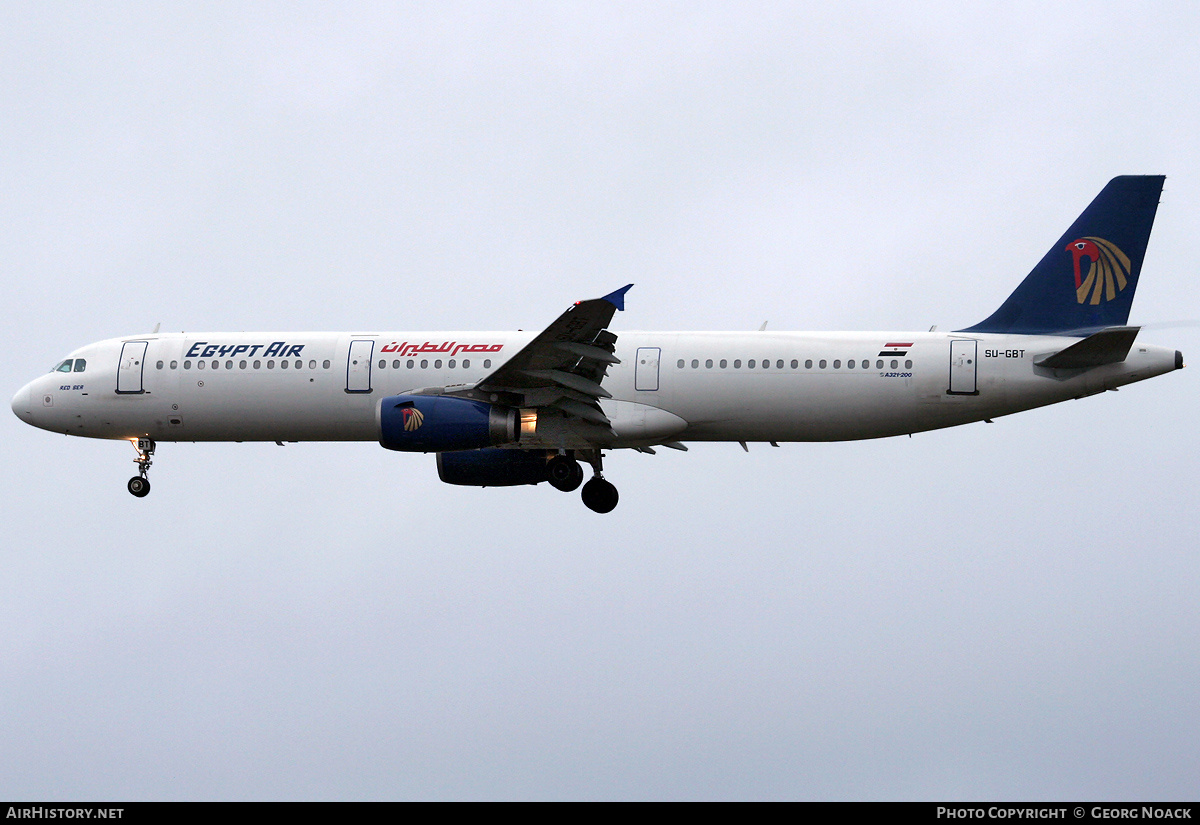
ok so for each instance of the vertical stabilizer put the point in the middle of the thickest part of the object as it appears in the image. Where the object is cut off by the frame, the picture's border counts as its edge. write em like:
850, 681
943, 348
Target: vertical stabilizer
1087, 280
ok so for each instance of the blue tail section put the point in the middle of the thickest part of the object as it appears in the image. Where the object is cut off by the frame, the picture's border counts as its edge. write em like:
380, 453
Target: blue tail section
1087, 280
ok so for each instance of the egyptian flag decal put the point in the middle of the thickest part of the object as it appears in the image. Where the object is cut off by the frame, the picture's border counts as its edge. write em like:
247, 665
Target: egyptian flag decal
895, 349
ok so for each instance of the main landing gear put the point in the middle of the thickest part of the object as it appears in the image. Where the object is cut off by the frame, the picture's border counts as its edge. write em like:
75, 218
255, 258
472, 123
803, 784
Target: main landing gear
600, 495
566, 474
139, 485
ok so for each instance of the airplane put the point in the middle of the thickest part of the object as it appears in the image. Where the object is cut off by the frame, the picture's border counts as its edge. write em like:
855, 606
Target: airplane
515, 408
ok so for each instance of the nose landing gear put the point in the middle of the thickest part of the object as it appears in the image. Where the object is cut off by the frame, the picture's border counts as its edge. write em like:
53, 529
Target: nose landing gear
139, 485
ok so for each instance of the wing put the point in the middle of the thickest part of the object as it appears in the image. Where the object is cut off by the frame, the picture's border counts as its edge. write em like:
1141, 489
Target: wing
563, 367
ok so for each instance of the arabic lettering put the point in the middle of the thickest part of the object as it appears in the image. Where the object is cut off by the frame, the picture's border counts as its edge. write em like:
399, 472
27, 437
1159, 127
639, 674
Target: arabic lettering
447, 347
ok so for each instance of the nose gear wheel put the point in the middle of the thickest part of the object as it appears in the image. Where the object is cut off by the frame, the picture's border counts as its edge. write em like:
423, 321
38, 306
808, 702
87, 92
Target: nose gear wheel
139, 485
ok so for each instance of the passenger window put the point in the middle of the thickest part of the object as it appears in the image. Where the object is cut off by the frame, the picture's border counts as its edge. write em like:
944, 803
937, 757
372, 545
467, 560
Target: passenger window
724, 363
487, 363
157, 366
283, 364
450, 363
174, 365
228, 365
299, 364
737, 363
779, 365
411, 363
437, 364
895, 363
466, 364
396, 365
382, 364
695, 363
680, 365
708, 364
822, 364
908, 365
312, 365
271, 364
326, 364
808, 364
241, 365
424, 363
795, 364
216, 364
187, 365
257, 364
837, 364
750, 364
850, 365
879, 364
199, 365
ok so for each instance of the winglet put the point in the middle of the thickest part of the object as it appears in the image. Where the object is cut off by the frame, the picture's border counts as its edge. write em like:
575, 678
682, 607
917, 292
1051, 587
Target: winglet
617, 298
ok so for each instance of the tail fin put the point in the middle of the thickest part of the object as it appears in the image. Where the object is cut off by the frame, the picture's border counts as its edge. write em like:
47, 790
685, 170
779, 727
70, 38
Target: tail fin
1087, 280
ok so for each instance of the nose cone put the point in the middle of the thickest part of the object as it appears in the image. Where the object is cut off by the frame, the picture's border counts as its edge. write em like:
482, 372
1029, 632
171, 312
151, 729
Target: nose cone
21, 403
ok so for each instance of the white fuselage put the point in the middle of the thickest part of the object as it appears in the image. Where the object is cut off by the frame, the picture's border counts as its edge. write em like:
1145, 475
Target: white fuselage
669, 386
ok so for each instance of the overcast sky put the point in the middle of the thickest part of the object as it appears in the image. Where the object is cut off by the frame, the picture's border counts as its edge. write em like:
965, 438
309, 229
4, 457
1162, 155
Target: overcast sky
1005, 611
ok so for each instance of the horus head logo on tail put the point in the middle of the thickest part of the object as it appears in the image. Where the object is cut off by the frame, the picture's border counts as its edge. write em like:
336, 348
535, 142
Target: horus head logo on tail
1107, 274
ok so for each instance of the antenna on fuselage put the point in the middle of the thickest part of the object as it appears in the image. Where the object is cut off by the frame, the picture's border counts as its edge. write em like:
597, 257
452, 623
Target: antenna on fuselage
156, 328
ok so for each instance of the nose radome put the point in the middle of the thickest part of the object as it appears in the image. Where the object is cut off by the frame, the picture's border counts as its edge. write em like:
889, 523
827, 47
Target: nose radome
20, 403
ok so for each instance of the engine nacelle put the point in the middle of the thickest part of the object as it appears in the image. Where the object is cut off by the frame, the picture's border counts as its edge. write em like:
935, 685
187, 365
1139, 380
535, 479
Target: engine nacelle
492, 467
436, 423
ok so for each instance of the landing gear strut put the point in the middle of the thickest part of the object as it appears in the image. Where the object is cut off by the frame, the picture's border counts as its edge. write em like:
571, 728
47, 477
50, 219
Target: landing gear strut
599, 495
139, 485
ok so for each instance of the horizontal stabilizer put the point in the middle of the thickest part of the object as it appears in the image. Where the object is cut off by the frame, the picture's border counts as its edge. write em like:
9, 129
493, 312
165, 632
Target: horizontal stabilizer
1108, 346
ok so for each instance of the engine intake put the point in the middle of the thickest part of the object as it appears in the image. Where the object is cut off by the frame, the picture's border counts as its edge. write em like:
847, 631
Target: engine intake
438, 423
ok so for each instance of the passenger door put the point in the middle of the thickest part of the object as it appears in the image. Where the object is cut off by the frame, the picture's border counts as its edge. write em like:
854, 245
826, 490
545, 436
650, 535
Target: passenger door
130, 367
358, 366
964, 365
645, 370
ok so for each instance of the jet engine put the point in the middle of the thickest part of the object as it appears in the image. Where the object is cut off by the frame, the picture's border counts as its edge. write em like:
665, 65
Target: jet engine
492, 467
437, 423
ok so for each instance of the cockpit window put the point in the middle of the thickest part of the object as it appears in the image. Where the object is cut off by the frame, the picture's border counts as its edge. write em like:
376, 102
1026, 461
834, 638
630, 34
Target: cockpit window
65, 366
80, 365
